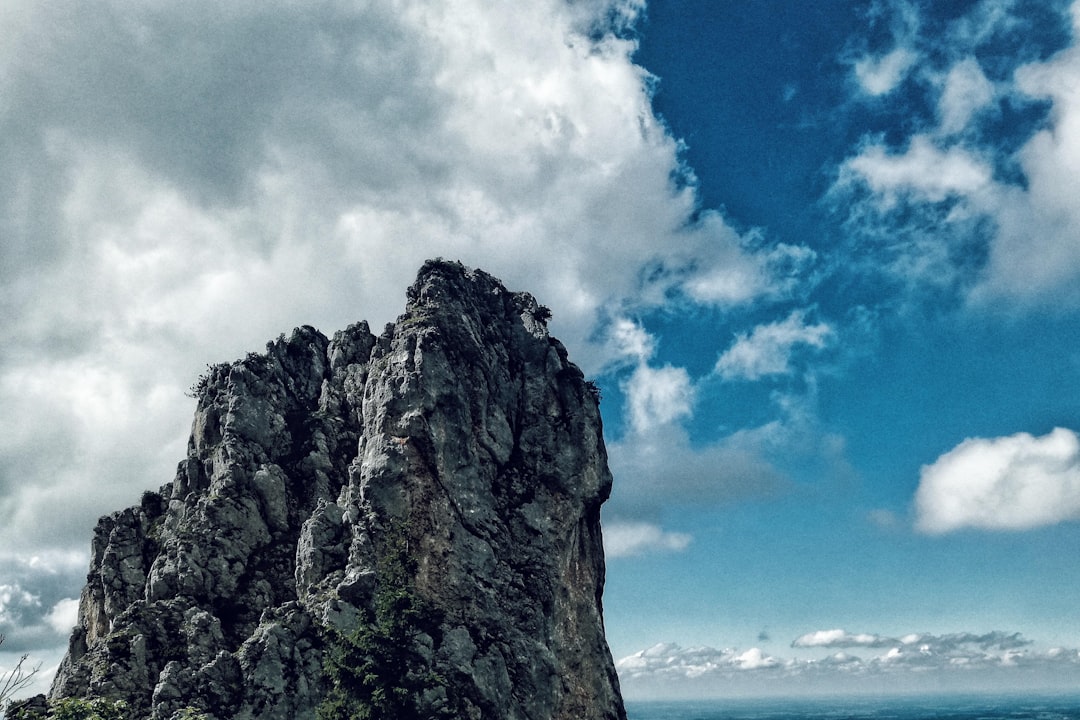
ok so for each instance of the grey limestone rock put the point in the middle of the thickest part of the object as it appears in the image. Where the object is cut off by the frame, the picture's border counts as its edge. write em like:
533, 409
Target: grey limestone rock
466, 425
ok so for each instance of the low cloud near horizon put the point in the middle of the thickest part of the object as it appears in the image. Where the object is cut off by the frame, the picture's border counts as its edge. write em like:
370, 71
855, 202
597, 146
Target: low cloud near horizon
862, 662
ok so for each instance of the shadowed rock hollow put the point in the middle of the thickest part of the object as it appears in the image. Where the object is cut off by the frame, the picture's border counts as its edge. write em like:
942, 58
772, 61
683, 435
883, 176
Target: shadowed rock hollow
462, 431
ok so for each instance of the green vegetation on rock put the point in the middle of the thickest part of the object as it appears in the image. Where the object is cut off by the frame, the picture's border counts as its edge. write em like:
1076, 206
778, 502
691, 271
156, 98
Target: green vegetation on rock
377, 671
76, 709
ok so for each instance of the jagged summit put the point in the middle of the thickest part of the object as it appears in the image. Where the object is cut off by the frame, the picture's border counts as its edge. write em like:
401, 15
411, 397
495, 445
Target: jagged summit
454, 464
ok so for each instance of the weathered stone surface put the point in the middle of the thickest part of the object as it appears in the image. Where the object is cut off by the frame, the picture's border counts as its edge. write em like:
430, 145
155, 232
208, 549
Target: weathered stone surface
465, 424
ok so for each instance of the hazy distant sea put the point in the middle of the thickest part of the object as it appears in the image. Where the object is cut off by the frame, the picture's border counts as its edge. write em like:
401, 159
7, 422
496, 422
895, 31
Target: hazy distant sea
953, 707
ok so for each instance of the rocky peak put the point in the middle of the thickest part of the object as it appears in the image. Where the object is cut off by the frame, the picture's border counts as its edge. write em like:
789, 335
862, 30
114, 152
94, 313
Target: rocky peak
462, 437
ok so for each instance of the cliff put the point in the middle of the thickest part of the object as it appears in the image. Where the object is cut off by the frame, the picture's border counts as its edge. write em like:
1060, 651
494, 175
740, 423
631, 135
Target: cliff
433, 493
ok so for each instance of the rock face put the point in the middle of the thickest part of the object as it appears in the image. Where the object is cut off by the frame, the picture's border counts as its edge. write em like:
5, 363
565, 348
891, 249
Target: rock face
463, 427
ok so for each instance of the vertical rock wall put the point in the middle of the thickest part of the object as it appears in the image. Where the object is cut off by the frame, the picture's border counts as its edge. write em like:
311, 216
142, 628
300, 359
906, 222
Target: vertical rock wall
463, 426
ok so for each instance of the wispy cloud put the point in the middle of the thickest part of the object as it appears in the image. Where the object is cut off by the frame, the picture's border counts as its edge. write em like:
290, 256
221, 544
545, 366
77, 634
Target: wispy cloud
966, 91
629, 538
923, 172
658, 396
766, 350
880, 73
953, 206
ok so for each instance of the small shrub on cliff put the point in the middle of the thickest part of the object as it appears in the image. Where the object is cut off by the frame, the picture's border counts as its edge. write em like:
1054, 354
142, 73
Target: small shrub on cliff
96, 709
594, 390
16, 678
375, 671
76, 709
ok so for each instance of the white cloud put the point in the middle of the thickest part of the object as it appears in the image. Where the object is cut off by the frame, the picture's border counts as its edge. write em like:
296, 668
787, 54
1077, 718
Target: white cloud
755, 659
882, 74
838, 638
629, 340
1008, 483
921, 643
966, 92
728, 273
999, 241
631, 538
878, 74
215, 175
1034, 256
917, 661
671, 661
767, 349
924, 171
34, 611
63, 616
658, 396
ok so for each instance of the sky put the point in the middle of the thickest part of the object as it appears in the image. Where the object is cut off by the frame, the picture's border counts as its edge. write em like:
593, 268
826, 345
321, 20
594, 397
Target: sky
823, 260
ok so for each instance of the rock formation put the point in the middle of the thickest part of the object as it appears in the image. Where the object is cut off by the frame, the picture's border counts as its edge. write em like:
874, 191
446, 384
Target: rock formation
462, 434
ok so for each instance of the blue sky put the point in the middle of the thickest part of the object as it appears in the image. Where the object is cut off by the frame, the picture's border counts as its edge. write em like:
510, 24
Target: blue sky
891, 359
823, 259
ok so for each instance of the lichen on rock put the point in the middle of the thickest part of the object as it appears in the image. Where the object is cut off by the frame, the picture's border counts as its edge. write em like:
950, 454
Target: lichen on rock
464, 423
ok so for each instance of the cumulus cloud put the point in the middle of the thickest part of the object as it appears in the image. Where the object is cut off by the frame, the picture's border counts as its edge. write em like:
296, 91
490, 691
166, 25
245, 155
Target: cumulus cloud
36, 617
730, 275
188, 180
655, 396
661, 467
63, 616
767, 349
1007, 483
657, 401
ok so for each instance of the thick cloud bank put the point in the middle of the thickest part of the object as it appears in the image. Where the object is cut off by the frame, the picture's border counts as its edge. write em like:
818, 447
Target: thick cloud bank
188, 180
1008, 483
182, 182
